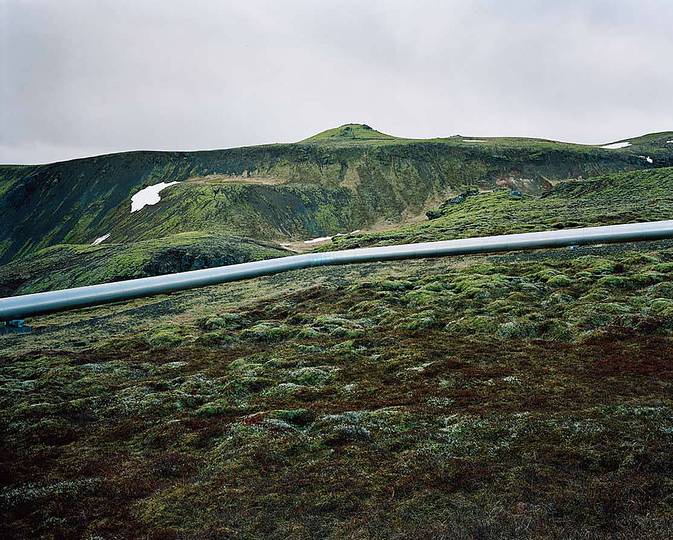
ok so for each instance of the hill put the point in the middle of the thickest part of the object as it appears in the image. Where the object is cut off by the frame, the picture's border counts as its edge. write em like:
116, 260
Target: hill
75, 265
349, 133
352, 177
603, 200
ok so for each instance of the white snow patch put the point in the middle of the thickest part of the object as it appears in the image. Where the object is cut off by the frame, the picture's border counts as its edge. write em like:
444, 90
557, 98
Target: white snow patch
647, 158
100, 239
347, 233
669, 142
316, 240
148, 196
326, 238
473, 140
617, 145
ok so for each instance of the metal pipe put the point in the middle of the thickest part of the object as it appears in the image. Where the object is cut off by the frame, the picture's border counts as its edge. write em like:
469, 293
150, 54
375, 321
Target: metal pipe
19, 307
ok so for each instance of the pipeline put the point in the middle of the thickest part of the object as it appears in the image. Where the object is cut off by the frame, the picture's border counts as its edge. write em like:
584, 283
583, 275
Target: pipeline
16, 308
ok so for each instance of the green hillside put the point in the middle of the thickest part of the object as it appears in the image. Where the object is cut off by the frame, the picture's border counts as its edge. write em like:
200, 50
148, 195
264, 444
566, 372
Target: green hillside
603, 200
349, 178
76, 265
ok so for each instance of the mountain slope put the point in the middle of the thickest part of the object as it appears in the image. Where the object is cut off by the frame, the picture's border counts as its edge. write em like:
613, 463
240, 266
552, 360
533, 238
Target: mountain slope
603, 200
344, 179
75, 265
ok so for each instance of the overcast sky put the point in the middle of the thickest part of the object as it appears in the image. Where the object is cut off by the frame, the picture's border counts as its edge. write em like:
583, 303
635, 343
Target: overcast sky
87, 77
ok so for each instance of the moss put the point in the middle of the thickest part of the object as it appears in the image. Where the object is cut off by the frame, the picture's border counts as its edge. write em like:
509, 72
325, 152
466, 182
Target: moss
559, 281
166, 337
311, 376
339, 326
215, 408
419, 321
287, 389
479, 324
221, 321
558, 330
347, 347
614, 281
266, 331
661, 307
520, 328
663, 267
395, 285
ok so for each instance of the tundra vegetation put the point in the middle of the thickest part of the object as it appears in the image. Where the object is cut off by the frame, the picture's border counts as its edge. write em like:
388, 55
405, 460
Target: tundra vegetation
520, 395
503, 396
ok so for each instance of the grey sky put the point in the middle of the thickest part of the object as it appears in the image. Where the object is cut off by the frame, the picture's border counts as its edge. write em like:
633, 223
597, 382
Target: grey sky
84, 77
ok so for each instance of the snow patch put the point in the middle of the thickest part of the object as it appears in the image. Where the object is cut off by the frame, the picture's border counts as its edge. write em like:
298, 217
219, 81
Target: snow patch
617, 145
316, 240
148, 196
347, 233
473, 140
647, 158
326, 238
669, 142
100, 239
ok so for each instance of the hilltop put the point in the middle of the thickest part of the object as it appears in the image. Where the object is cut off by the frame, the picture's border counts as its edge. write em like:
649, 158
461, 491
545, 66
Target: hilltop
350, 133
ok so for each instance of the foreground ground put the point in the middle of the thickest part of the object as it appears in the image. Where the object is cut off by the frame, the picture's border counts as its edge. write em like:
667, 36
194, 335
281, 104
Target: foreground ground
521, 396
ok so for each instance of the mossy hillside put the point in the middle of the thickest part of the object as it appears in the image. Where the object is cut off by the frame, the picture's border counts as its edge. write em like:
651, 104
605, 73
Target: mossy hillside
610, 199
9, 174
299, 211
604, 200
64, 266
378, 179
519, 396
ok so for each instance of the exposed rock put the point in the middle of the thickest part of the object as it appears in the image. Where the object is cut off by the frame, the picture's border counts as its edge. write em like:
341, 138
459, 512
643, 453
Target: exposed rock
536, 185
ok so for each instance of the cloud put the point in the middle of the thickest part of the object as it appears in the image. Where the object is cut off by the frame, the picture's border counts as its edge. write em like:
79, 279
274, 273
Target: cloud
80, 77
